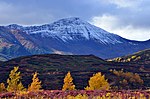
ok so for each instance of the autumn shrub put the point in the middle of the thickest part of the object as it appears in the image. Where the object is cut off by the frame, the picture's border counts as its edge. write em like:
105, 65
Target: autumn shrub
2, 87
127, 80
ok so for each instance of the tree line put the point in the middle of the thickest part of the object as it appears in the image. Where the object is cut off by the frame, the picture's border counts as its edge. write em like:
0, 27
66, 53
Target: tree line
14, 83
96, 82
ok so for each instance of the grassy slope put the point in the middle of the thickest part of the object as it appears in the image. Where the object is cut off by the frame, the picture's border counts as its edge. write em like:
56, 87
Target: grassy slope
52, 69
140, 57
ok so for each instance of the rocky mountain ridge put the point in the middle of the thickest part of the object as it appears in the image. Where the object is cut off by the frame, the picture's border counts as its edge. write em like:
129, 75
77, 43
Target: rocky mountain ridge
65, 36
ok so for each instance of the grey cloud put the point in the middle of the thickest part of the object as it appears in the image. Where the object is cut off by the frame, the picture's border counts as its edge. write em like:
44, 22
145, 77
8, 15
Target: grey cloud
41, 11
45, 11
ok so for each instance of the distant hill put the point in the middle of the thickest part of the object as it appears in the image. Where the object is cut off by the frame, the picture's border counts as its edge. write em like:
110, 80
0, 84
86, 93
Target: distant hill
4, 58
52, 69
141, 57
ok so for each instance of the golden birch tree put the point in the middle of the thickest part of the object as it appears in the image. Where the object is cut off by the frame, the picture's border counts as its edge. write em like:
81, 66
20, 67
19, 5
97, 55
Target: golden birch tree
14, 83
68, 83
36, 83
98, 82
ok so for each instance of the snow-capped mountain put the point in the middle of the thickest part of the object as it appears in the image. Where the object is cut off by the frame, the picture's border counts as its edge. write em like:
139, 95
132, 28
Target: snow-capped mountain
71, 36
73, 29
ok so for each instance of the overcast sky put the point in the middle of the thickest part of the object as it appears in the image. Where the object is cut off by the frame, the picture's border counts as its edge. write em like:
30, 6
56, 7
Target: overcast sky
127, 18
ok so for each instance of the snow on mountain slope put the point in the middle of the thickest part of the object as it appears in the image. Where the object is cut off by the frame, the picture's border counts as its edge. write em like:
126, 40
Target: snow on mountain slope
73, 29
75, 36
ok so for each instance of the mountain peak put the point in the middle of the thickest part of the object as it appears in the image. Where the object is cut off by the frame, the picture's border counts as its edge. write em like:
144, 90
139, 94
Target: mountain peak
73, 29
14, 26
70, 35
70, 21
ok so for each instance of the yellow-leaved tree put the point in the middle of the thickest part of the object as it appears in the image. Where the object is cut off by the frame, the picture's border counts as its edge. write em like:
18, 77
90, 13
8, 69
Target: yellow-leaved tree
2, 87
36, 83
14, 83
68, 83
98, 82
